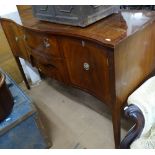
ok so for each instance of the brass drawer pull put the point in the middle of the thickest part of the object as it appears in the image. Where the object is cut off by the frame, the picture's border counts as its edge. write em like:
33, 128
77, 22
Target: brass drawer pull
86, 66
49, 66
16, 38
43, 67
24, 37
46, 43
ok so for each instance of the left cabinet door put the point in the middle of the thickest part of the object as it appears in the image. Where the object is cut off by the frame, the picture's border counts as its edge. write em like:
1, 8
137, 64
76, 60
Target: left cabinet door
16, 38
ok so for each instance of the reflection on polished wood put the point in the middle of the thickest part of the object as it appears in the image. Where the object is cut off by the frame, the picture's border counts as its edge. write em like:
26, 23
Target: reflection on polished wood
108, 59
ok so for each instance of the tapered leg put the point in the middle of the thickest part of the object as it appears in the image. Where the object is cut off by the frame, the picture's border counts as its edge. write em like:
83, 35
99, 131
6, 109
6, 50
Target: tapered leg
22, 72
116, 120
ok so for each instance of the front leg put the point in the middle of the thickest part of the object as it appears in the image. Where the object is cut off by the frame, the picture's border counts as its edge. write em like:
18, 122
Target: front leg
116, 120
22, 72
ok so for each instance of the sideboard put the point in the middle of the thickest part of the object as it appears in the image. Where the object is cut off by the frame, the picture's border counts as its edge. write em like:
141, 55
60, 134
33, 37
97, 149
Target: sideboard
108, 59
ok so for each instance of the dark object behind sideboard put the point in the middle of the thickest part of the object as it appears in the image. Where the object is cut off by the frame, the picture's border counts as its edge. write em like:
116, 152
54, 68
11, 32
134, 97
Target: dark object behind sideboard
6, 99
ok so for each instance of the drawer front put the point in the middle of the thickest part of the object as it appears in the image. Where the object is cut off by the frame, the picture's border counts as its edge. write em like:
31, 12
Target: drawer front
88, 67
54, 68
42, 43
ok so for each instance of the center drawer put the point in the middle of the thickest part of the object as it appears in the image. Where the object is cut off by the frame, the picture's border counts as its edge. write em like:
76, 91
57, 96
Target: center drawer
42, 43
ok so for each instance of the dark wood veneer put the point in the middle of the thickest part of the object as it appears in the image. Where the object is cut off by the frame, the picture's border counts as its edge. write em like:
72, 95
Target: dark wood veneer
108, 59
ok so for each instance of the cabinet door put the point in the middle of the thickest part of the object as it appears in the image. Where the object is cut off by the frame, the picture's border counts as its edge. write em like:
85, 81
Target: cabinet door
88, 67
16, 38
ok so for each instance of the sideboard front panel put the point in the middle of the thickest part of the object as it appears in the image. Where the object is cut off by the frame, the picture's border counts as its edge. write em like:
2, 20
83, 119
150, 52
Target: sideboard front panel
88, 66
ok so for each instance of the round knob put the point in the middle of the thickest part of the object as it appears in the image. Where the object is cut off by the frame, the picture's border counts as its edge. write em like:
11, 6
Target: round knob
16, 38
46, 42
24, 37
86, 66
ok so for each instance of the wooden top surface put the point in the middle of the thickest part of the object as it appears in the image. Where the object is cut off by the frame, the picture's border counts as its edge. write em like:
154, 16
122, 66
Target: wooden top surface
109, 31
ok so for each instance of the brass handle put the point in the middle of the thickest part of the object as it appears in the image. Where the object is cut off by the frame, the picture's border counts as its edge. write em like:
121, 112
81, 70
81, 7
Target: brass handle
49, 66
24, 37
16, 38
20, 37
46, 43
86, 66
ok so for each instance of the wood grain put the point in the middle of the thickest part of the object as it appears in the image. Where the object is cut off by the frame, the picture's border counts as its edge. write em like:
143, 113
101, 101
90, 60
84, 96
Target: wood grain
15, 37
134, 61
109, 31
96, 79
119, 53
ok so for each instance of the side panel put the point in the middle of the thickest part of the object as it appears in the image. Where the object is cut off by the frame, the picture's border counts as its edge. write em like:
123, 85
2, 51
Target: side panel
134, 61
16, 38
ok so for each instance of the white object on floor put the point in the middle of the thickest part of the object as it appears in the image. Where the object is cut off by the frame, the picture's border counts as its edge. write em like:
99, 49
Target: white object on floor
30, 72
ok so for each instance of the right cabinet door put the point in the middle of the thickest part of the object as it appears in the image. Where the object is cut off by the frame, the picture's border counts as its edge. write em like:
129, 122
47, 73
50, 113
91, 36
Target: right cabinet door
88, 66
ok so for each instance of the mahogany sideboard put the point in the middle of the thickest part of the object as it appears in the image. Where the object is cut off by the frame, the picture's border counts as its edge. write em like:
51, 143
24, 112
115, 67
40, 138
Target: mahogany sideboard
108, 59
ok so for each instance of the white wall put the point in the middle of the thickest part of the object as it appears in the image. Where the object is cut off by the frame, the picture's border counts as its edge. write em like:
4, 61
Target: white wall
7, 9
